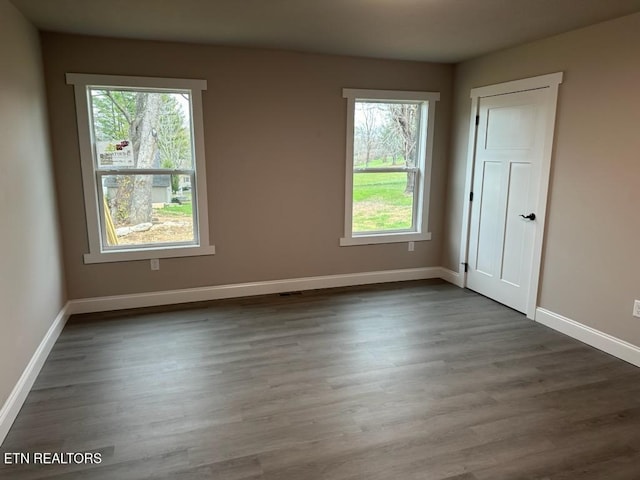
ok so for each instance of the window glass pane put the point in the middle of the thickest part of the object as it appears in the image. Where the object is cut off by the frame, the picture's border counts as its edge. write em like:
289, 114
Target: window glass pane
141, 129
383, 201
385, 134
147, 210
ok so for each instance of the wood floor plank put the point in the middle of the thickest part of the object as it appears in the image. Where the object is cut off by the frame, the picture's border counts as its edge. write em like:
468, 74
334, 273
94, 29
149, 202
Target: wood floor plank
404, 381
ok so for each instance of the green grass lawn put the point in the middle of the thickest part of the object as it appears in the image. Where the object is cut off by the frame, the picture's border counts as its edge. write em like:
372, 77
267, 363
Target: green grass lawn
179, 210
379, 202
382, 163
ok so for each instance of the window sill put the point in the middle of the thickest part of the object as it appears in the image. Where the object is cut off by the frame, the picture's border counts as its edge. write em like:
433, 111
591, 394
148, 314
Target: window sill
148, 254
384, 238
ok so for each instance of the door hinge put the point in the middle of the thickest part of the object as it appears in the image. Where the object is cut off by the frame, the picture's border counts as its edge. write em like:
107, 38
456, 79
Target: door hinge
466, 266
477, 119
471, 196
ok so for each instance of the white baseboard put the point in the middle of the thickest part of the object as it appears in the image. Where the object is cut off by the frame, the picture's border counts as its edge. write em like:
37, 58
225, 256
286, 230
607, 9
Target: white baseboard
600, 340
456, 278
18, 395
171, 297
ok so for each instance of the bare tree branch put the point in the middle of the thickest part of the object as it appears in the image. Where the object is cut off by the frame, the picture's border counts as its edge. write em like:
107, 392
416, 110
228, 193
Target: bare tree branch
119, 107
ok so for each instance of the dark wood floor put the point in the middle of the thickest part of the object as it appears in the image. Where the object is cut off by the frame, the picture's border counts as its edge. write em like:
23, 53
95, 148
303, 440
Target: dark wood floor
417, 380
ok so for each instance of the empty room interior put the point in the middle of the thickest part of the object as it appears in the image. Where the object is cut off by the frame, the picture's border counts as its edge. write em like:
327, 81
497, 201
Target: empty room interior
320, 240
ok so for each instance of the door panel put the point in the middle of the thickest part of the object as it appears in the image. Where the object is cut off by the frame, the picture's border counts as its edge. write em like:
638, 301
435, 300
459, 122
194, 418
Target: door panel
510, 127
489, 217
509, 149
516, 228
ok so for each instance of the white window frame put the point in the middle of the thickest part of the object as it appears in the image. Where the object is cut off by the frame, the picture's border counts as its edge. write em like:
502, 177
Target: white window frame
420, 231
97, 254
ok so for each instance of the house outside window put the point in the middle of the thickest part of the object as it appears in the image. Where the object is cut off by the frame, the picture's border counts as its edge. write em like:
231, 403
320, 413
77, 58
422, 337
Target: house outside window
143, 167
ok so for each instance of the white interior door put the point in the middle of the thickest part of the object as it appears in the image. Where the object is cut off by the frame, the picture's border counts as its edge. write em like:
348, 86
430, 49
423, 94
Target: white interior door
510, 146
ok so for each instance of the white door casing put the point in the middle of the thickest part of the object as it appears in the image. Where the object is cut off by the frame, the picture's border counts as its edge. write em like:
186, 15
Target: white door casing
510, 146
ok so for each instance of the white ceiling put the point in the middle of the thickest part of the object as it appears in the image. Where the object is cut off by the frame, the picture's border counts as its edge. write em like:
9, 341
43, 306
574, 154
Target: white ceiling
426, 30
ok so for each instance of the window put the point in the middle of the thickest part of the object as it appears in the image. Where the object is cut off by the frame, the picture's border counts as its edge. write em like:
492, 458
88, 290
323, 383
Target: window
143, 168
389, 148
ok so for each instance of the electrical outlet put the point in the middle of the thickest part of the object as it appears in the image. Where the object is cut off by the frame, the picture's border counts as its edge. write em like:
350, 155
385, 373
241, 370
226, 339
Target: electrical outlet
411, 246
155, 264
636, 308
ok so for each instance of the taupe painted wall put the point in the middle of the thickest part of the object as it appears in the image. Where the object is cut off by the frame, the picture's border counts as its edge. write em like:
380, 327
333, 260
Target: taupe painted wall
31, 280
275, 139
591, 260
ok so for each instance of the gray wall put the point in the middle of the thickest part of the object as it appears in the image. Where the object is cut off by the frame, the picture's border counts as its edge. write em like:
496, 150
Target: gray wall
275, 143
591, 257
31, 282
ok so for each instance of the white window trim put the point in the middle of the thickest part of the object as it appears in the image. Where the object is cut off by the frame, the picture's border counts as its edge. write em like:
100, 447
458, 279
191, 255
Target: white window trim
421, 211
96, 253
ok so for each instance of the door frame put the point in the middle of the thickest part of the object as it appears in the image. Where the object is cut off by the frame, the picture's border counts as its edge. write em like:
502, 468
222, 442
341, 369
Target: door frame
551, 82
